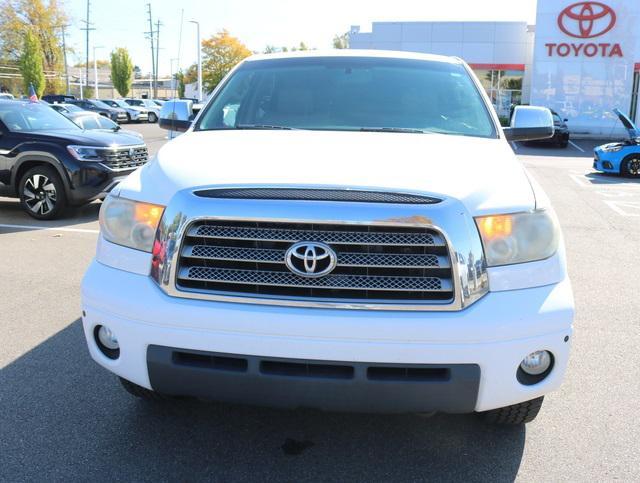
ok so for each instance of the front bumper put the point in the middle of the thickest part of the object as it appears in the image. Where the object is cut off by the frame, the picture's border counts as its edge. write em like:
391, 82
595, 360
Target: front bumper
494, 335
91, 181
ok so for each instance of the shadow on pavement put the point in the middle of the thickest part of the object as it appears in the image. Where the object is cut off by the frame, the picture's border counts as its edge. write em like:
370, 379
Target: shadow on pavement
610, 179
65, 418
11, 213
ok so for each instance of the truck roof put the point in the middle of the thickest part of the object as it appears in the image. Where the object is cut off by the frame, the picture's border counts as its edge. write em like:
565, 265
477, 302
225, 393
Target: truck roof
386, 54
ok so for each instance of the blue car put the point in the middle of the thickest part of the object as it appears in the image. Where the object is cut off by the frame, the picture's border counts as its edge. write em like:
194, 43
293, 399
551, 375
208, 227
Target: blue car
621, 157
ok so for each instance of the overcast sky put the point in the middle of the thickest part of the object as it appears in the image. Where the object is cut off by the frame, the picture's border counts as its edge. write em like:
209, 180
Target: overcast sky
122, 23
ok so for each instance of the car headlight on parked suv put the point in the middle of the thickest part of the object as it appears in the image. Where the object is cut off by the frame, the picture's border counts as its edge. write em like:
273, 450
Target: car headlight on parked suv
519, 237
130, 223
85, 153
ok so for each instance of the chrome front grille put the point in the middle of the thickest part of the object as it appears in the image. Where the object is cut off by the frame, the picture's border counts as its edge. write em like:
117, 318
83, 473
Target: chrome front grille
394, 264
126, 158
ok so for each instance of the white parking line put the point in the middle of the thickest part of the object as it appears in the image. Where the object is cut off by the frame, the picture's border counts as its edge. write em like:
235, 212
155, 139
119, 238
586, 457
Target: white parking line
49, 228
624, 208
576, 146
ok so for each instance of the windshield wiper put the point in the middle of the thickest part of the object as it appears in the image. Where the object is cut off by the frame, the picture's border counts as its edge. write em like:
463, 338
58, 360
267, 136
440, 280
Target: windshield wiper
392, 129
262, 126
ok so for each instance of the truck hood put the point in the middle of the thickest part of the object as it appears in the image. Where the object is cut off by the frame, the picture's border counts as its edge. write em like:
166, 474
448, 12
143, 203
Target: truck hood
482, 173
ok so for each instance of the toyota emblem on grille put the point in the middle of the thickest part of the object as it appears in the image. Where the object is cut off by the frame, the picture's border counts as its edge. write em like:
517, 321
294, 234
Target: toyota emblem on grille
310, 259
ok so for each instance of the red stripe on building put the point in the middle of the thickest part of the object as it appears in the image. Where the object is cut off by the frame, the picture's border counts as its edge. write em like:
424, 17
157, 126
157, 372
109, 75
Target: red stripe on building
498, 66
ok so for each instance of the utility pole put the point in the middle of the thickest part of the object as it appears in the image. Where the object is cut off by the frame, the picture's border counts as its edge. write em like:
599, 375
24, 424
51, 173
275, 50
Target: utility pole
155, 91
95, 72
64, 55
153, 56
87, 28
199, 60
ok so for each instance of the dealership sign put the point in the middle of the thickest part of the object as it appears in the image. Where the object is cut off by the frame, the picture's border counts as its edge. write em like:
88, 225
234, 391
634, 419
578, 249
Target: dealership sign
585, 20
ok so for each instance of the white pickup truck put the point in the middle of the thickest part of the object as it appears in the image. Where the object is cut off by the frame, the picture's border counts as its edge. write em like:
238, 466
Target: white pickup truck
346, 231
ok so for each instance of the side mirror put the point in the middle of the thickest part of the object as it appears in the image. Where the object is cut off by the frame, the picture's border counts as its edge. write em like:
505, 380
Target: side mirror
565, 120
530, 123
176, 115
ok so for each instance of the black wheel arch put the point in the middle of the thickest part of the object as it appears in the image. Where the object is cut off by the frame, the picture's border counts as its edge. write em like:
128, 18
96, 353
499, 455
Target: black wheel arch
28, 160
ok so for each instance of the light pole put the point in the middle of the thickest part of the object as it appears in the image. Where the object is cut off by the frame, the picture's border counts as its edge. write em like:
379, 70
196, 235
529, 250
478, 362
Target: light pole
173, 80
95, 71
199, 61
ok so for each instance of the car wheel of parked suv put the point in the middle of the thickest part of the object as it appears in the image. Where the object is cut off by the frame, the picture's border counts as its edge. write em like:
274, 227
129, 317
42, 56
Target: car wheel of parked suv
630, 167
524, 412
152, 117
42, 193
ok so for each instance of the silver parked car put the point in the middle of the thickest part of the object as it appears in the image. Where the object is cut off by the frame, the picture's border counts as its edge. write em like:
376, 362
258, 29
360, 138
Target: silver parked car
134, 113
152, 107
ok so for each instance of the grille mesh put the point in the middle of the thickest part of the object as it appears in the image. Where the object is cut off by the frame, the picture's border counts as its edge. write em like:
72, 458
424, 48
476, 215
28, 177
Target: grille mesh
344, 259
337, 237
350, 282
373, 263
309, 194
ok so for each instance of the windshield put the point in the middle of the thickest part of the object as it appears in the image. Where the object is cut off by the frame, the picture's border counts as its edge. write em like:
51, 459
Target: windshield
118, 103
134, 102
32, 117
72, 108
350, 94
95, 122
99, 104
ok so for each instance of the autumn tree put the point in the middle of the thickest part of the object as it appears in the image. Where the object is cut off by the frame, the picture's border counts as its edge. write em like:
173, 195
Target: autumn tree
220, 54
45, 20
121, 71
31, 64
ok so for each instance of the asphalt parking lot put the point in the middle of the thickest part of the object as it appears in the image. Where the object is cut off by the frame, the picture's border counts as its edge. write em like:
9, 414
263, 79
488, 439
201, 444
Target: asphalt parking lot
65, 418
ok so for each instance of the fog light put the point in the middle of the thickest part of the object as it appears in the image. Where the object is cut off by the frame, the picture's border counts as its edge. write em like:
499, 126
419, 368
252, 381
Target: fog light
108, 338
107, 341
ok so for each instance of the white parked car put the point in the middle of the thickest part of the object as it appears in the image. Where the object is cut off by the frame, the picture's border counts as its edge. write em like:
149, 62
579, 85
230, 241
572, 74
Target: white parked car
346, 231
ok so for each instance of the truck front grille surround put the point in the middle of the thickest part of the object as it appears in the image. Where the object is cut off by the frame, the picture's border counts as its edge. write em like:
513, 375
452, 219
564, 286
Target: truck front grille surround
374, 264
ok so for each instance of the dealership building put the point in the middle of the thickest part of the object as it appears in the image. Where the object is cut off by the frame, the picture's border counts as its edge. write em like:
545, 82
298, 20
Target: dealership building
581, 59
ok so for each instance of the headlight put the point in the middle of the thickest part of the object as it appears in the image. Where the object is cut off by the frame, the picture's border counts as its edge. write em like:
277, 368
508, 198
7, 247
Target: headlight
611, 148
519, 238
130, 223
84, 153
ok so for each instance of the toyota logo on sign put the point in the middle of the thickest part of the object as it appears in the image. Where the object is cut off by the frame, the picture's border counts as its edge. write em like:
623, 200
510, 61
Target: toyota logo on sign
585, 20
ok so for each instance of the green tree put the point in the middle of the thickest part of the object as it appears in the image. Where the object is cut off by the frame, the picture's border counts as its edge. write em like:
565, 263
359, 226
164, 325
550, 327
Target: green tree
220, 54
31, 64
181, 85
121, 71
45, 19
341, 41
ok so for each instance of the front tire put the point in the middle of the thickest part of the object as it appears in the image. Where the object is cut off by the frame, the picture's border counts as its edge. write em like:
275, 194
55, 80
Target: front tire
42, 194
152, 117
630, 167
521, 413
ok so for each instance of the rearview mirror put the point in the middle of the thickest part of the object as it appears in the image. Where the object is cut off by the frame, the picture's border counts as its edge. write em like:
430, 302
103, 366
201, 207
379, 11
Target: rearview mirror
529, 123
176, 115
